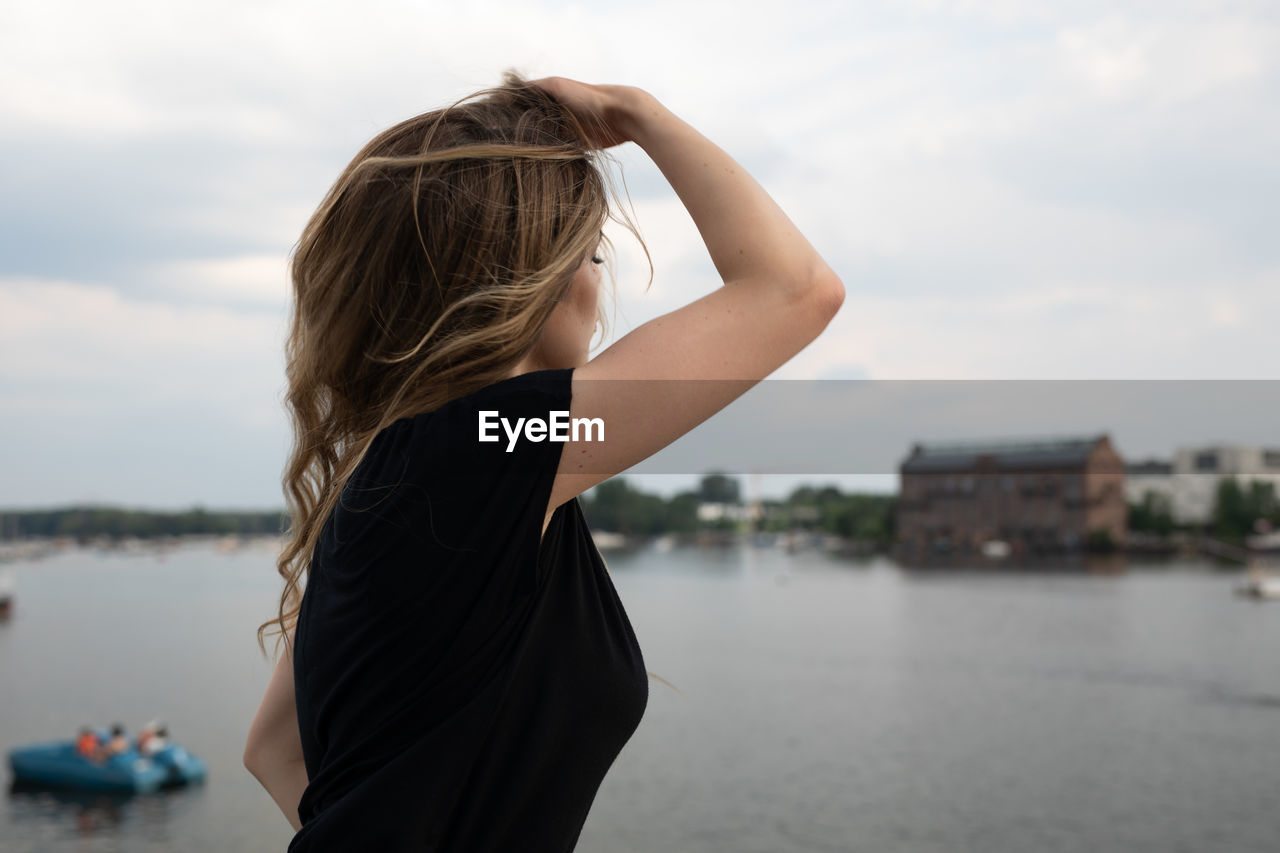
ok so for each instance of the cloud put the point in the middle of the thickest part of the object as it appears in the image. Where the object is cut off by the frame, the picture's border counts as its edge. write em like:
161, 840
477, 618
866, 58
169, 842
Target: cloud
108, 398
1169, 59
1097, 330
249, 281
85, 348
1079, 189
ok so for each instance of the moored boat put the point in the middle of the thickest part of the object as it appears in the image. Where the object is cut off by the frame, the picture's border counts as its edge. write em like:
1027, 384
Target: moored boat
6, 593
1259, 584
59, 764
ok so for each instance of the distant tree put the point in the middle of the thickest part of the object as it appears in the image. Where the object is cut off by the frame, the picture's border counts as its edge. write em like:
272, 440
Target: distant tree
802, 495
617, 507
1238, 508
1100, 540
84, 523
867, 518
826, 508
682, 513
1153, 514
1262, 501
720, 489
1229, 510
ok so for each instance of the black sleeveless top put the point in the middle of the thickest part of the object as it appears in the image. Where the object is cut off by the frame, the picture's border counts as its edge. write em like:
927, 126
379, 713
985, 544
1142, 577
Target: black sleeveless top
460, 685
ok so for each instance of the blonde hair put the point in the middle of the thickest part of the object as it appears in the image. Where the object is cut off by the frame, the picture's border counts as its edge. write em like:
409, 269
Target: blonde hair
427, 273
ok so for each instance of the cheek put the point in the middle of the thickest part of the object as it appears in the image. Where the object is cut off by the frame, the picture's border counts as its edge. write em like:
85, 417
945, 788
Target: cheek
587, 292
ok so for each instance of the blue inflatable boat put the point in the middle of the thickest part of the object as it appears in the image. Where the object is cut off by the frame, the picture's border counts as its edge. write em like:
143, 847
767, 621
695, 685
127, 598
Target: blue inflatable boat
57, 764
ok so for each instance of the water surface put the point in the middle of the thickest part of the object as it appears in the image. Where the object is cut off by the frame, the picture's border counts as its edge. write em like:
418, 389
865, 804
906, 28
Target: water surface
823, 705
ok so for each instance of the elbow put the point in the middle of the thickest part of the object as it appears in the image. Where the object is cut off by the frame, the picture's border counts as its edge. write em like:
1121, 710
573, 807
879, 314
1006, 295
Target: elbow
830, 292
253, 757
250, 759
825, 294
263, 755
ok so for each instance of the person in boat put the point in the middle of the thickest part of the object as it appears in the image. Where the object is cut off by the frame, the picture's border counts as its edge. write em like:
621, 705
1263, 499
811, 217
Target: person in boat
88, 744
457, 671
152, 738
117, 743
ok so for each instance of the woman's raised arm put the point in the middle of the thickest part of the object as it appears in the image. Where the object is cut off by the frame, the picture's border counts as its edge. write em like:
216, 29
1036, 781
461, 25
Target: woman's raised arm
778, 296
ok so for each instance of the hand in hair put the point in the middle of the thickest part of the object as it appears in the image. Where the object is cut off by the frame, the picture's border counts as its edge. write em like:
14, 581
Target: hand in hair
607, 112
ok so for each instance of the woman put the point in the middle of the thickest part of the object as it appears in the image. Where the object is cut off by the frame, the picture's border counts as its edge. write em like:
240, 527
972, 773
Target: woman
460, 674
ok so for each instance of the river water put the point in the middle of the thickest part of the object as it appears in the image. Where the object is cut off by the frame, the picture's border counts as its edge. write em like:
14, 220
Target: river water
822, 705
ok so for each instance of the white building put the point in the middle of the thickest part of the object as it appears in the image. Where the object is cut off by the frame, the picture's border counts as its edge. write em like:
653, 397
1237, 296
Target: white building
734, 512
1150, 476
1190, 482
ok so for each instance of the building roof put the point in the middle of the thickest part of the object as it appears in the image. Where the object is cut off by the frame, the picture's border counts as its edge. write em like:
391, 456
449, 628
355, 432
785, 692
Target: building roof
1071, 452
1149, 468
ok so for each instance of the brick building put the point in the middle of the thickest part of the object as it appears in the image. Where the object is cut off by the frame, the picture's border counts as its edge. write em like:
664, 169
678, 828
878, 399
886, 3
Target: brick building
1038, 496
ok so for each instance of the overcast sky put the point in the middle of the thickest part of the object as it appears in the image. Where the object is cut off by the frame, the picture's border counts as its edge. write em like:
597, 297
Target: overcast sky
1039, 190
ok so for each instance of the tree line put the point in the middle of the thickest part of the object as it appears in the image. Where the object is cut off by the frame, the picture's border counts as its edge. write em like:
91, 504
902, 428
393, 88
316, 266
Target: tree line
617, 506
83, 523
1237, 510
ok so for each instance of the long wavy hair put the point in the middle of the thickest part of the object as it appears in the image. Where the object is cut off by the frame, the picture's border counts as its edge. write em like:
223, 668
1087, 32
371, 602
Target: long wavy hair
427, 273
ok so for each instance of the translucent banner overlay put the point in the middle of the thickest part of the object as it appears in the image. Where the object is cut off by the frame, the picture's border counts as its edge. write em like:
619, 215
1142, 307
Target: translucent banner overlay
853, 427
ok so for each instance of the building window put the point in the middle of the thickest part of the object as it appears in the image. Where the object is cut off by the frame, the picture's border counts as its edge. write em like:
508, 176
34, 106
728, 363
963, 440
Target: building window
1207, 461
1271, 458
